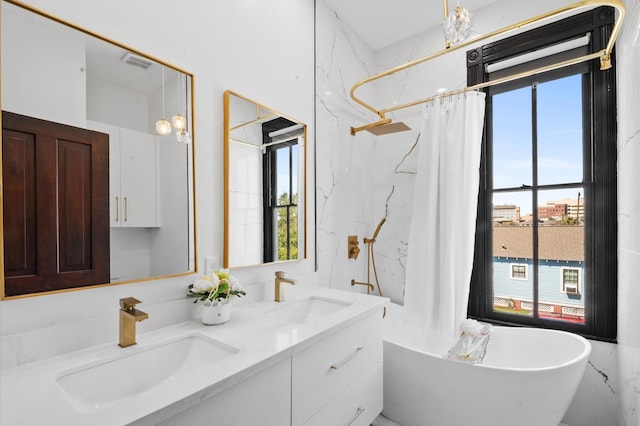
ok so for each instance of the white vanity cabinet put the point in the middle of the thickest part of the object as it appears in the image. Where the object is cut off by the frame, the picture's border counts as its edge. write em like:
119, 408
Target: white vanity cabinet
132, 177
338, 381
334, 381
263, 399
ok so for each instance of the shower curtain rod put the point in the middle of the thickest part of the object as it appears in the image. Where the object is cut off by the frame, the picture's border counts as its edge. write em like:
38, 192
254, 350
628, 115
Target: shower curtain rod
258, 119
603, 54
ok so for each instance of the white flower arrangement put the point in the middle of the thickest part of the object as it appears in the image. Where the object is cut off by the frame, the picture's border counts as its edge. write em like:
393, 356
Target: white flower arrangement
218, 286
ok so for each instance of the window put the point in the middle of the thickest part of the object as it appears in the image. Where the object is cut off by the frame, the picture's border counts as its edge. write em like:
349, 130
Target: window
547, 199
281, 185
518, 272
570, 280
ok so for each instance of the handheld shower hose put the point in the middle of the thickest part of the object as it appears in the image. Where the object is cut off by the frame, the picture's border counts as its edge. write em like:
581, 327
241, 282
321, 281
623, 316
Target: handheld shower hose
371, 259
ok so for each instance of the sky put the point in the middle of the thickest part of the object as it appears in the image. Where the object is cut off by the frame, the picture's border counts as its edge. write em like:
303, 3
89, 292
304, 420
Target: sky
560, 153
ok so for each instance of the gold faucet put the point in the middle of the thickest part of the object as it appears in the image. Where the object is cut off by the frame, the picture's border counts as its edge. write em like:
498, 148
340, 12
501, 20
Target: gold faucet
370, 286
279, 280
129, 315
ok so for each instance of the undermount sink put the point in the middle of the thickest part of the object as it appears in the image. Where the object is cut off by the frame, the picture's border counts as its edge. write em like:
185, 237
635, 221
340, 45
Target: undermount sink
308, 309
115, 378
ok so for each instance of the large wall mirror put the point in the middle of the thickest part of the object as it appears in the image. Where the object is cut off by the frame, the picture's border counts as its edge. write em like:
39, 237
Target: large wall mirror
54, 72
265, 182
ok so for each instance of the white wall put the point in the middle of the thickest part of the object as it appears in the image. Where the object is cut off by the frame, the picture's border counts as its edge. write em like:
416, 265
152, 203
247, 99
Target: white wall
42, 71
263, 50
112, 104
362, 178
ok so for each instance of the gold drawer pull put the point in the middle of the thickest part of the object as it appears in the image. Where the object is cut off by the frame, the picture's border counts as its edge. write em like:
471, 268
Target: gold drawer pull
117, 209
359, 411
347, 359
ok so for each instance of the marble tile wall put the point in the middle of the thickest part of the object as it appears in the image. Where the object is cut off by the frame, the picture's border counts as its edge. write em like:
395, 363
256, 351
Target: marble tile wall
362, 178
628, 61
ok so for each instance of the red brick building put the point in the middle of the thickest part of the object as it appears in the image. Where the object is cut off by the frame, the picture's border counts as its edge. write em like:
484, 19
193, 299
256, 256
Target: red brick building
552, 211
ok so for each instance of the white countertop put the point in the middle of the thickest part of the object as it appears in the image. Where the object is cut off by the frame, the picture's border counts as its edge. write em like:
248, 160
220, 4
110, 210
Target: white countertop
30, 394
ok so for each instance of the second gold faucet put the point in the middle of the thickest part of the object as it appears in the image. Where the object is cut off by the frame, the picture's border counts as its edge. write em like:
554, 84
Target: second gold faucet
279, 296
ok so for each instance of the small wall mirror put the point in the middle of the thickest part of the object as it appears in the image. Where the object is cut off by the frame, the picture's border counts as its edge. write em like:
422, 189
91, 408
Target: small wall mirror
265, 182
57, 72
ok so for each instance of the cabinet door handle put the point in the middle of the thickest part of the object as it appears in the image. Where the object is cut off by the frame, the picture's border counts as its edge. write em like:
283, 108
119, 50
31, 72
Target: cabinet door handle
117, 209
347, 359
126, 209
352, 420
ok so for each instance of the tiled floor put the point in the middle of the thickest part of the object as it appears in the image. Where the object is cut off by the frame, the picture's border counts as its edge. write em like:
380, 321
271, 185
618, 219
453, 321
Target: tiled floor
383, 421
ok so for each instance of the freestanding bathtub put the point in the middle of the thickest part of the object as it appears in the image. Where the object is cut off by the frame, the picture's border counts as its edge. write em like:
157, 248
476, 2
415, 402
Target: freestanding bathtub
528, 377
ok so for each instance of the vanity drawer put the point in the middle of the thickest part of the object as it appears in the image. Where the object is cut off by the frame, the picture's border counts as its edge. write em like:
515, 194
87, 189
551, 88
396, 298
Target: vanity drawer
358, 405
323, 370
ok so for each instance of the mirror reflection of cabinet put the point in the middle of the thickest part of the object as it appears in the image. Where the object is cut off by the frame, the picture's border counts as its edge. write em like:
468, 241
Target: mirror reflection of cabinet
132, 177
265, 176
55, 207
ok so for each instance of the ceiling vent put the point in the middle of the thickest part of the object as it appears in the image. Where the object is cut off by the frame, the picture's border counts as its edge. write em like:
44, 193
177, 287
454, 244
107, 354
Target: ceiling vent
137, 61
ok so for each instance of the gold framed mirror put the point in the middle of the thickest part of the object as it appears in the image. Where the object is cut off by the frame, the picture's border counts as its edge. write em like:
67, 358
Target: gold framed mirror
59, 73
265, 184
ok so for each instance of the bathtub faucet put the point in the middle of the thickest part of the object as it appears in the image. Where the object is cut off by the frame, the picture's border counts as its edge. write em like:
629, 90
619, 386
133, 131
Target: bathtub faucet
370, 286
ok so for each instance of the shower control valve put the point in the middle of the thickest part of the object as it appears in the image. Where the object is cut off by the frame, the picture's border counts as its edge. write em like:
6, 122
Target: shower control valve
352, 247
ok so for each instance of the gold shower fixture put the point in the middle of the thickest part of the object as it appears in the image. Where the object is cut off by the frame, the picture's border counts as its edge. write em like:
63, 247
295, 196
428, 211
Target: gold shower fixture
371, 260
352, 247
385, 125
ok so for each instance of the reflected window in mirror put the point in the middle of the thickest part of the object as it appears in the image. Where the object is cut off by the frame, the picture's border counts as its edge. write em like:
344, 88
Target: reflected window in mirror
265, 180
280, 177
91, 83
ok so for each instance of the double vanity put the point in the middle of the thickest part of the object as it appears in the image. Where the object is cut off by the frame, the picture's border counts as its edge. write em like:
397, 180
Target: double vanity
313, 359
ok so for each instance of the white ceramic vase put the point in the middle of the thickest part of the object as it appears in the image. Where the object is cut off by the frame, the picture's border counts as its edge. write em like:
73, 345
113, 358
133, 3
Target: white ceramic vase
216, 312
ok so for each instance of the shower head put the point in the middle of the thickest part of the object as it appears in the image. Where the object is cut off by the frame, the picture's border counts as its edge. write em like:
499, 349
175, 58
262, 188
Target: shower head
386, 129
382, 127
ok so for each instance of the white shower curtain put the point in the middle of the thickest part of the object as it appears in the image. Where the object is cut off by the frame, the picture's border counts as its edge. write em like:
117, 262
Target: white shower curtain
441, 237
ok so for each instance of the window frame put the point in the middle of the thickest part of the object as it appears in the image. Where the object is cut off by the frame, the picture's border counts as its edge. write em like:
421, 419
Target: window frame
599, 288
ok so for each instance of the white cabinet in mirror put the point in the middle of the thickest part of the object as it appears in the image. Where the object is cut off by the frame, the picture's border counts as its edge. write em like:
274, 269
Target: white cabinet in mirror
265, 182
95, 83
133, 188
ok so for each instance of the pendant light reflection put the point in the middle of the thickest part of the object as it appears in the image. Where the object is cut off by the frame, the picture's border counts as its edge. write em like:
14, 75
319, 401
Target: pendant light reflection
183, 136
457, 27
163, 126
180, 122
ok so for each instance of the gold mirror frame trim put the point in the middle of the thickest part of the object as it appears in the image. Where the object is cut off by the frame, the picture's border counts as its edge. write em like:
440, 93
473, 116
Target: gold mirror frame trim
226, 123
83, 30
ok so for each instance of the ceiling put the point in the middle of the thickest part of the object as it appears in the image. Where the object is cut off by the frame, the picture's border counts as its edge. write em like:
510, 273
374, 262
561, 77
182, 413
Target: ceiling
381, 23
